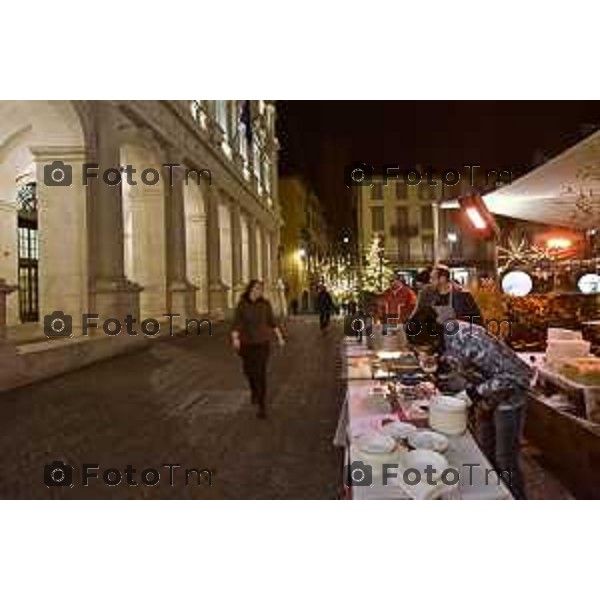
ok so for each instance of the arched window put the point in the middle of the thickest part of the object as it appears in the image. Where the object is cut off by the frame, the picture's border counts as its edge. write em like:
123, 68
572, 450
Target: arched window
28, 253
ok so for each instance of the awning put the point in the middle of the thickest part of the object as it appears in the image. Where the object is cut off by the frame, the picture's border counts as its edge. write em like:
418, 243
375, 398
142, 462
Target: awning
564, 191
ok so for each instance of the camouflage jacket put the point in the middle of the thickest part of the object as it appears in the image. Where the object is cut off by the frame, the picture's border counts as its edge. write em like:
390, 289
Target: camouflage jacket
492, 370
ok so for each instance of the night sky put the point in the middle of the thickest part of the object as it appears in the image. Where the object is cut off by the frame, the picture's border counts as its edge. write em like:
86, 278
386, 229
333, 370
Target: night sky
318, 138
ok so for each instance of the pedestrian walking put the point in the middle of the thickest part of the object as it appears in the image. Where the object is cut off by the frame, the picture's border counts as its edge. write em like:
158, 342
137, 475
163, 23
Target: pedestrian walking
326, 306
251, 334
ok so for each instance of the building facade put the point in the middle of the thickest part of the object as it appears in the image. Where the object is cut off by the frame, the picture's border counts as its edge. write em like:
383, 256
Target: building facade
405, 217
305, 240
178, 211
420, 225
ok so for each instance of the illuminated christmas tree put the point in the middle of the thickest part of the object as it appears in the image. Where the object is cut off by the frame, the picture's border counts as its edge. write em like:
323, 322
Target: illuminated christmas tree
376, 273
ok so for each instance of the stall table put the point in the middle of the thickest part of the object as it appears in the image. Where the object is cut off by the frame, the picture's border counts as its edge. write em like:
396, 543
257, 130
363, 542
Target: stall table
478, 482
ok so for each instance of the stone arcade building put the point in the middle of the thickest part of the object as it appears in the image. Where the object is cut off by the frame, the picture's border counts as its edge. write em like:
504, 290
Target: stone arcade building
182, 245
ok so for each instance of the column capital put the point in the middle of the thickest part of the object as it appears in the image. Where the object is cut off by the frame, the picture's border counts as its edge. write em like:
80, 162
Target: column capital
44, 153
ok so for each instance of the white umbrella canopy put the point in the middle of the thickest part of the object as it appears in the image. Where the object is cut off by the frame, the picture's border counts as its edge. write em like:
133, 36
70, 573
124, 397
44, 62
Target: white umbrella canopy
564, 191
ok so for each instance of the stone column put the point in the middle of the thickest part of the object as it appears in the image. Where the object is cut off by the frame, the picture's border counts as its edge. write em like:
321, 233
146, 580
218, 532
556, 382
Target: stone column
10, 366
236, 241
181, 293
266, 258
9, 251
196, 258
63, 236
5, 290
259, 250
253, 254
275, 256
112, 295
217, 290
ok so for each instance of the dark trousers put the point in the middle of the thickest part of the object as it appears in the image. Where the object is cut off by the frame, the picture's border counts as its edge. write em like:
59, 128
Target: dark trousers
324, 317
254, 362
500, 438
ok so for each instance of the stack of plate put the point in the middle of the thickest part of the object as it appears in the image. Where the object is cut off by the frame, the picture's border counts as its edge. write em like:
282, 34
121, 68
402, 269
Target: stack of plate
448, 414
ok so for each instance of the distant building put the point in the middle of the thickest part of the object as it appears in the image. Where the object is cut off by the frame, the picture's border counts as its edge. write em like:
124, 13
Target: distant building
405, 216
304, 239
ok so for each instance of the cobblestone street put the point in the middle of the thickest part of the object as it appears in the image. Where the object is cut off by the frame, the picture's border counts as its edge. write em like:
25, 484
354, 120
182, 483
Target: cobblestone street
183, 401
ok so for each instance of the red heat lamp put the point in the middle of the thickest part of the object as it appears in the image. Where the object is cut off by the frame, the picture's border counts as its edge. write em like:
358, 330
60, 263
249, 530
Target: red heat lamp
478, 217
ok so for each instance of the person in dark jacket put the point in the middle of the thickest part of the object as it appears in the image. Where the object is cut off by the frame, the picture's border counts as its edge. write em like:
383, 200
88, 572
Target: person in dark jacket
325, 306
251, 333
497, 381
448, 299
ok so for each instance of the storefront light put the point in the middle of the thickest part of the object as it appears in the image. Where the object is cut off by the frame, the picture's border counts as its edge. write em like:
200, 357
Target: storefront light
476, 218
558, 243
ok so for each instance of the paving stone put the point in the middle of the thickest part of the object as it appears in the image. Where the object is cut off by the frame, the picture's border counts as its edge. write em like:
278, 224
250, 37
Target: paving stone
183, 401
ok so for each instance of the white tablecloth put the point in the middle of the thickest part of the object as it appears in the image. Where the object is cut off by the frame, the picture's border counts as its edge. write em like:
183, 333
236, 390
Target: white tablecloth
463, 451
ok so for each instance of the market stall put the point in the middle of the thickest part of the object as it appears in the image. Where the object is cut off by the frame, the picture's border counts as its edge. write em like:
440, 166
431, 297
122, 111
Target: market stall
395, 426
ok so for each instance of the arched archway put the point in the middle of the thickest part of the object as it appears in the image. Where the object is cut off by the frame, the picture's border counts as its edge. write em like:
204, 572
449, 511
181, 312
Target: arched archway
43, 220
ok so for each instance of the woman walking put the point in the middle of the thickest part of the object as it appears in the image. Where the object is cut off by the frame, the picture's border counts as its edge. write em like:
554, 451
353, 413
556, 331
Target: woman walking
251, 333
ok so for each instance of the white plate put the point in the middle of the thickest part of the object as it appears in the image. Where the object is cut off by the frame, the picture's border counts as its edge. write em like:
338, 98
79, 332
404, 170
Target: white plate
399, 430
388, 355
421, 459
375, 443
428, 440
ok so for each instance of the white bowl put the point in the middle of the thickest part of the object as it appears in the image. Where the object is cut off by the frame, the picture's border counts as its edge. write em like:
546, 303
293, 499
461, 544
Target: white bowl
428, 440
421, 459
399, 430
375, 443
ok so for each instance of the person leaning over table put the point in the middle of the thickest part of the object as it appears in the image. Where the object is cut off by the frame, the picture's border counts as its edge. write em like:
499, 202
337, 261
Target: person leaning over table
497, 382
251, 332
